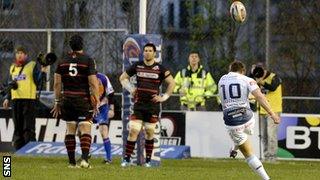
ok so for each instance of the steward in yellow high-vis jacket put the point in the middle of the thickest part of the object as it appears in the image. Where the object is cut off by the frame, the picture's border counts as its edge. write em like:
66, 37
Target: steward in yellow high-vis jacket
194, 84
271, 86
24, 77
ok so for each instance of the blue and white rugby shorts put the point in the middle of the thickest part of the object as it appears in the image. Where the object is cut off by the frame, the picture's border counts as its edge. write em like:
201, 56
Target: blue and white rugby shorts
239, 134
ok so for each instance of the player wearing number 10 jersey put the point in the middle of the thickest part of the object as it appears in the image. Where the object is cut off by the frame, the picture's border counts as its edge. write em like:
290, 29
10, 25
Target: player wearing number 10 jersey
77, 73
234, 89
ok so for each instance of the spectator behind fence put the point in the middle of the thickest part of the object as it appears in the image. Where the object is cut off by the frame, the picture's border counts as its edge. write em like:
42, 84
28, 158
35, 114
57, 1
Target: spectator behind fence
270, 85
194, 84
24, 77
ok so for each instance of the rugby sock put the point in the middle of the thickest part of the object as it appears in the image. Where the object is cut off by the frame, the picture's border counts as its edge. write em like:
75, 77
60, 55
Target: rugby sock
107, 148
85, 143
235, 148
70, 143
257, 166
129, 149
149, 148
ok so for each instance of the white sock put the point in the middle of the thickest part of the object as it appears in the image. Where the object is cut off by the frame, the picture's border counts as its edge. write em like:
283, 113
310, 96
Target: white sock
257, 166
235, 148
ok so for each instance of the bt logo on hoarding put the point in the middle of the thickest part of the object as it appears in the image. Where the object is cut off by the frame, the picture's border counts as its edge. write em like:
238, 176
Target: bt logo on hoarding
302, 134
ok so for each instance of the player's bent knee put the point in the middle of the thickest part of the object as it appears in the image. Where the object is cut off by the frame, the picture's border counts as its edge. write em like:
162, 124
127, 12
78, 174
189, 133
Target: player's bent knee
84, 124
150, 128
246, 148
71, 127
149, 134
133, 135
85, 127
104, 130
135, 126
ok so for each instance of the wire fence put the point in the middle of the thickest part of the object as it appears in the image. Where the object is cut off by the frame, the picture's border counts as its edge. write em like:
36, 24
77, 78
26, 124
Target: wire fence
104, 45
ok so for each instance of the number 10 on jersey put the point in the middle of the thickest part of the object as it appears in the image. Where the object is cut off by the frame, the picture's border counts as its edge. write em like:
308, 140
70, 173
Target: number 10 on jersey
234, 91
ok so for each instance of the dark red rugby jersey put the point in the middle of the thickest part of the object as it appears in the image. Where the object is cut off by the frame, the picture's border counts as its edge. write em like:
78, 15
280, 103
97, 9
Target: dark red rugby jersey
74, 69
149, 79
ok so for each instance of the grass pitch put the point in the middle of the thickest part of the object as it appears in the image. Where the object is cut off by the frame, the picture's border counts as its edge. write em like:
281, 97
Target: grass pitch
195, 168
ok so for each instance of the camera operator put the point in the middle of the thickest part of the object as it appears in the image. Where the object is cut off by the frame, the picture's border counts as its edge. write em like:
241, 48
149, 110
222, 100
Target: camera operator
271, 86
25, 75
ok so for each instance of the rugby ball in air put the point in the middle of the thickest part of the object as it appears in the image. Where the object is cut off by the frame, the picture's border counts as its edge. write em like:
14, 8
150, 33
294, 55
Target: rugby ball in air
238, 12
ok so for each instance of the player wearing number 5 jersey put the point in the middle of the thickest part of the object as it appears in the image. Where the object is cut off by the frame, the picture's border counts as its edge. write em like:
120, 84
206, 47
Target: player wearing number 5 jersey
234, 89
77, 73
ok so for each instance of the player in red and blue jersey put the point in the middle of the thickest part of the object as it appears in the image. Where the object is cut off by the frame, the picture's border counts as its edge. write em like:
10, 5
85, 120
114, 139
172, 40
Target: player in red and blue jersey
106, 111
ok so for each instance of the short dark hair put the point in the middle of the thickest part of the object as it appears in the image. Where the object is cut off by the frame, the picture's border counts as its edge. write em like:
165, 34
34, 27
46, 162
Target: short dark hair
258, 72
76, 43
150, 45
20, 49
237, 66
194, 52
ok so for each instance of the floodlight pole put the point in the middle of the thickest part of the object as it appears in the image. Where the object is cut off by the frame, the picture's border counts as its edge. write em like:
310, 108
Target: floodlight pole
104, 39
267, 33
49, 39
143, 17
267, 66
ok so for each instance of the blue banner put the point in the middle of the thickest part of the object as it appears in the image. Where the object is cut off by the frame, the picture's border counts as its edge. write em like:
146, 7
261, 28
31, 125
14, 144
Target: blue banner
175, 152
58, 149
133, 52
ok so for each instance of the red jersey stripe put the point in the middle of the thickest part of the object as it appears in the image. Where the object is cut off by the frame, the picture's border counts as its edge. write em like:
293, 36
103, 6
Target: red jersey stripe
79, 75
75, 92
68, 64
148, 90
150, 80
148, 70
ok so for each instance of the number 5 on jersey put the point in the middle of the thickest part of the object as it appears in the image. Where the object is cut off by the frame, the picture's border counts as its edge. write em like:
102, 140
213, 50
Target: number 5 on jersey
73, 71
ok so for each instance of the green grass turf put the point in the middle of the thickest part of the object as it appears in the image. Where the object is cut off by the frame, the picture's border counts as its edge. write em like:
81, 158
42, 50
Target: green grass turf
195, 168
